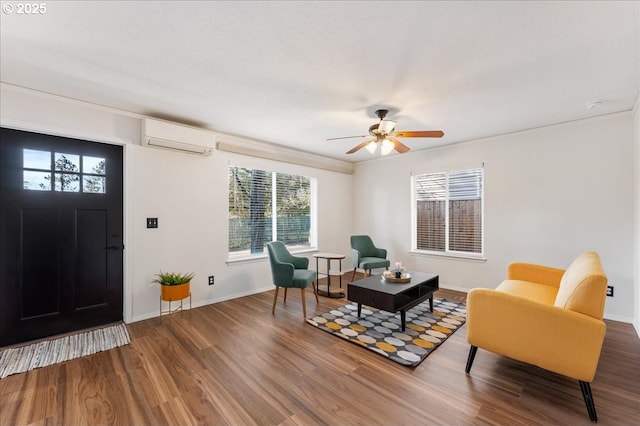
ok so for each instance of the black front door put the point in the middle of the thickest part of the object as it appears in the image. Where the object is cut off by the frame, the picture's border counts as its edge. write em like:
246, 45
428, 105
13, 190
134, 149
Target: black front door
61, 243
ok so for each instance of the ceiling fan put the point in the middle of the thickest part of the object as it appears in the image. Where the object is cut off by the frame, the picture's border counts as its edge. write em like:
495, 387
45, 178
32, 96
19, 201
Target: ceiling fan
386, 138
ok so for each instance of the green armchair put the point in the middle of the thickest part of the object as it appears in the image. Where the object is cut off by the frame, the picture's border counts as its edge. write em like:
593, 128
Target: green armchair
367, 256
290, 271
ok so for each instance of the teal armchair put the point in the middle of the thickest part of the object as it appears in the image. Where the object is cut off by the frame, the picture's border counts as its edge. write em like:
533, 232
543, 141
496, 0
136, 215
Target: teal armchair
290, 271
367, 256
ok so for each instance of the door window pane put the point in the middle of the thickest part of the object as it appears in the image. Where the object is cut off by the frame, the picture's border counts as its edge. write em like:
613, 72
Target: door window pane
37, 174
37, 181
67, 162
93, 184
93, 165
34, 159
66, 182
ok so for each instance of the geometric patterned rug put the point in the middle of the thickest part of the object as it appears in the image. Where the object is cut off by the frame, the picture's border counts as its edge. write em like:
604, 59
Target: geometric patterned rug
380, 331
53, 351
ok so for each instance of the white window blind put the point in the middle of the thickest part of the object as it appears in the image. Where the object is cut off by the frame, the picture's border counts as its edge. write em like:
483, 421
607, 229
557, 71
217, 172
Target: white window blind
267, 206
448, 212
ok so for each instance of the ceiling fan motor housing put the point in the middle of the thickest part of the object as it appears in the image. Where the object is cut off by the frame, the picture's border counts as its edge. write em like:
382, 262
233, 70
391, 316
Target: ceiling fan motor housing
374, 130
382, 113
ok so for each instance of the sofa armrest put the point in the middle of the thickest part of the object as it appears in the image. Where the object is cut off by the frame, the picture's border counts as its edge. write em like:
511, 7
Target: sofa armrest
556, 339
355, 256
282, 273
535, 273
300, 262
381, 253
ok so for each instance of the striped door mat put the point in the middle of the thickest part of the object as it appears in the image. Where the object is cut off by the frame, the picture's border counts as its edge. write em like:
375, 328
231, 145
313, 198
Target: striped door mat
16, 360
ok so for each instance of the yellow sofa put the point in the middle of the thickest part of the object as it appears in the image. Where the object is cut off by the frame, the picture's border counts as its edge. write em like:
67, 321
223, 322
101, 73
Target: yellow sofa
544, 316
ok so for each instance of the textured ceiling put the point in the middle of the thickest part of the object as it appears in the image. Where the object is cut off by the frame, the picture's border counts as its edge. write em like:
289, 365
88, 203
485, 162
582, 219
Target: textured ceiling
295, 73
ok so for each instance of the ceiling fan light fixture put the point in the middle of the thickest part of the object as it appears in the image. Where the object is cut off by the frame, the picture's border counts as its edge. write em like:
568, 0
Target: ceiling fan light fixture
385, 136
386, 147
386, 126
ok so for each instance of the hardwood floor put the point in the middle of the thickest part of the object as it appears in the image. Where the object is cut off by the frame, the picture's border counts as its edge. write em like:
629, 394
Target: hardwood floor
235, 363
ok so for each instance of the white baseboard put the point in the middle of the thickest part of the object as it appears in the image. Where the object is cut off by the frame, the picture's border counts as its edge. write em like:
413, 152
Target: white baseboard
618, 318
453, 287
142, 317
154, 314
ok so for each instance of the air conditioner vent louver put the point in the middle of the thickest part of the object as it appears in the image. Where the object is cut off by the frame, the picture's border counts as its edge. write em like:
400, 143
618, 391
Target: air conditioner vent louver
175, 137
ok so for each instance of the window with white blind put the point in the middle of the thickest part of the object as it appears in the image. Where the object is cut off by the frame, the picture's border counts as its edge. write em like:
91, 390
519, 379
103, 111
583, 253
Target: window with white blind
268, 206
448, 212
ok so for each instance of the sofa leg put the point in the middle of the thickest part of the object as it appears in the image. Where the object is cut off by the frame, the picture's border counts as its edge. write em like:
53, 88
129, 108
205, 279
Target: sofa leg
354, 274
585, 387
470, 358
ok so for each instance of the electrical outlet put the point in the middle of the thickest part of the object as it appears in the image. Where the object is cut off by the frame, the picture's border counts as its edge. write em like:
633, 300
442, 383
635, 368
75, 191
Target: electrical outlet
210, 279
610, 290
152, 222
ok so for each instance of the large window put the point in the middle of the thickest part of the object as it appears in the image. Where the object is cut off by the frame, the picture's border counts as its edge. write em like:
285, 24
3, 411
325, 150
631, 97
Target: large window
448, 212
267, 206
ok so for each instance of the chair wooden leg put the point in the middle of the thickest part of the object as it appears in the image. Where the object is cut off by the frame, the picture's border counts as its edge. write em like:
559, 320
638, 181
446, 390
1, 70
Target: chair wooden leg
315, 292
354, 274
285, 295
304, 304
470, 358
275, 299
585, 387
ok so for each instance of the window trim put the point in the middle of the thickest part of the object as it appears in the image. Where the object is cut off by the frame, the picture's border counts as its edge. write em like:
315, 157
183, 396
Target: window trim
451, 254
263, 257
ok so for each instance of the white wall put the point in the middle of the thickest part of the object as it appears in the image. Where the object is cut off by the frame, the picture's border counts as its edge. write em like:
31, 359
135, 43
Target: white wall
188, 195
550, 194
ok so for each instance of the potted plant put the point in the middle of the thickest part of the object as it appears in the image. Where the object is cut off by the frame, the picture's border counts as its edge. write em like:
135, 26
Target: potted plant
174, 286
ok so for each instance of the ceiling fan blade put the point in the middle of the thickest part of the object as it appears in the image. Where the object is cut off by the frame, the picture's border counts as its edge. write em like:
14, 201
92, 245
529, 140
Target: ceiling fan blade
399, 146
347, 137
420, 134
360, 146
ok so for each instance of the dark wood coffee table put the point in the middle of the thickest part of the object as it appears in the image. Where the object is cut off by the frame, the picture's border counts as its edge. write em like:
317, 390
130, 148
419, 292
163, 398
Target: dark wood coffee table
393, 297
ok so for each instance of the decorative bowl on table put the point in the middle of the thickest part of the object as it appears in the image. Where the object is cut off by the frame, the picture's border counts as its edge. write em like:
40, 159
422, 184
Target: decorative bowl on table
396, 276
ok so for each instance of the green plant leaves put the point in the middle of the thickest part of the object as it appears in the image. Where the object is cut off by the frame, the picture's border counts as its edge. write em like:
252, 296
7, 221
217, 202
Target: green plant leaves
173, 278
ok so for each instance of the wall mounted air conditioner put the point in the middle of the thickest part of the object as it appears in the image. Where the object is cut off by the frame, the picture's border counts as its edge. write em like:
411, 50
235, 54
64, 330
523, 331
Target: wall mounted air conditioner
175, 137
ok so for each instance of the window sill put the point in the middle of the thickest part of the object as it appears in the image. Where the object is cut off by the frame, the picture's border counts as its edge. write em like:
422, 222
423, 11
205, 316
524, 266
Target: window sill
261, 257
247, 259
454, 256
